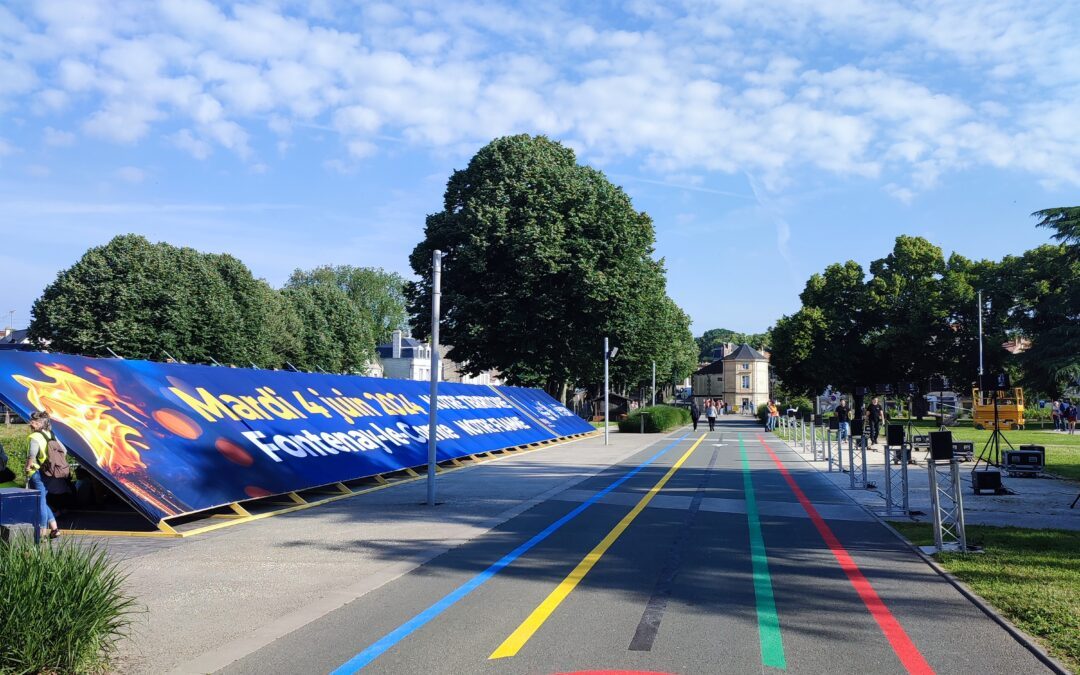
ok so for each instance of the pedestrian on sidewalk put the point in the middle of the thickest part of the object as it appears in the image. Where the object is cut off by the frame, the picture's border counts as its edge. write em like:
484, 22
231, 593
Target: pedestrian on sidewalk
1071, 416
843, 415
1055, 415
710, 413
774, 416
695, 413
41, 437
875, 417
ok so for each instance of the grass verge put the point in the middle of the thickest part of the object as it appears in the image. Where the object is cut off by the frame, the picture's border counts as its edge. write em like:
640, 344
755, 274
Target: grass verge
14, 438
1031, 576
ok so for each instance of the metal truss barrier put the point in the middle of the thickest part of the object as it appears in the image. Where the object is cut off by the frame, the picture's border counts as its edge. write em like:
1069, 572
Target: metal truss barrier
947, 504
857, 461
896, 480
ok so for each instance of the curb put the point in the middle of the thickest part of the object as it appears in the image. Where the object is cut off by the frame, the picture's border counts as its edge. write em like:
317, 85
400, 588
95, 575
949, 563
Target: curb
1026, 641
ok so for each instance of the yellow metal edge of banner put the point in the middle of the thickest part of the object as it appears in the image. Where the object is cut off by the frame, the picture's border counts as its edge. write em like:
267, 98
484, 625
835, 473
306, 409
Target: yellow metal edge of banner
165, 530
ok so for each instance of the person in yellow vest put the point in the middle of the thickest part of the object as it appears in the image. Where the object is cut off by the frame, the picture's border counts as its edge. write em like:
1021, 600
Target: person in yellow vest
40, 435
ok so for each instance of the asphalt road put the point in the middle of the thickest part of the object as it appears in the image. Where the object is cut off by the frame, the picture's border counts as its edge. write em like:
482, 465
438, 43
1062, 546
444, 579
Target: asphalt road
716, 552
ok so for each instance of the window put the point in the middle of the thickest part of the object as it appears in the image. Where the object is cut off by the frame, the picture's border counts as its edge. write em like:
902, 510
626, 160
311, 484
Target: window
744, 366
746, 381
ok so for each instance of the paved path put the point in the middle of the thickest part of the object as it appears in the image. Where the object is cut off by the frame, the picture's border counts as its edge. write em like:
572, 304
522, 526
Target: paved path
703, 553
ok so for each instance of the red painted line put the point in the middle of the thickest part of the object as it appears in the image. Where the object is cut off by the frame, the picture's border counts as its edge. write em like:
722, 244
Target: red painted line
909, 655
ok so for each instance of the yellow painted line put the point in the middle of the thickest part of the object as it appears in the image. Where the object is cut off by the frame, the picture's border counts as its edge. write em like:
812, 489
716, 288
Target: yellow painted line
168, 531
513, 644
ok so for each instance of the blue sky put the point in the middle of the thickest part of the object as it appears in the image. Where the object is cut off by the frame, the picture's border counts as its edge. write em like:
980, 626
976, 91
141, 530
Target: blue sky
767, 138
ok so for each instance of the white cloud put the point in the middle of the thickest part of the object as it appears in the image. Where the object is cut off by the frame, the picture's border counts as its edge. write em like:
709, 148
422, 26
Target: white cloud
186, 141
860, 87
57, 138
131, 174
6, 148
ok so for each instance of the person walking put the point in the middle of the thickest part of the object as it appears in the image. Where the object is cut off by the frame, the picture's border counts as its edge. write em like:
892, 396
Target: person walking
710, 413
1055, 414
695, 413
774, 416
1071, 417
843, 415
875, 417
40, 437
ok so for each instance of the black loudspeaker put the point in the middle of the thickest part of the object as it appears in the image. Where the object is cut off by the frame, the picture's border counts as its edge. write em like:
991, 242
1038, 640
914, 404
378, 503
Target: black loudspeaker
995, 382
857, 427
886, 389
819, 419
910, 388
862, 391
894, 435
939, 383
806, 417
985, 480
941, 445
834, 423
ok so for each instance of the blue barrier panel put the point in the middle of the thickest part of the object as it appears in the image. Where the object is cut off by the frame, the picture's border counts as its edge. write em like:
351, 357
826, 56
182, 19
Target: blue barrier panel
175, 439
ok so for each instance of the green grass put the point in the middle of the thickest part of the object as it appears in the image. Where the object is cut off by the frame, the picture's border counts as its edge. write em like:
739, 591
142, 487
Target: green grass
1062, 450
1031, 576
63, 608
16, 444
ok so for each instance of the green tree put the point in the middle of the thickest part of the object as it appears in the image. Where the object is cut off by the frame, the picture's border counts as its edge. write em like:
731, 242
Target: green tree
144, 300
543, 258
1066, 222
715, 337
1047, 312
335, 335
378, 293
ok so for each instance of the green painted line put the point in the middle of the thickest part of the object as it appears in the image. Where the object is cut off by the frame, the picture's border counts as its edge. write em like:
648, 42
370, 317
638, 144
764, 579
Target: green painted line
772, 646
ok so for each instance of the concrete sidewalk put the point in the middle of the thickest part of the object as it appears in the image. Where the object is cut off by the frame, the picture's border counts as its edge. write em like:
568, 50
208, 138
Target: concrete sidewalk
214, 598
1037, 503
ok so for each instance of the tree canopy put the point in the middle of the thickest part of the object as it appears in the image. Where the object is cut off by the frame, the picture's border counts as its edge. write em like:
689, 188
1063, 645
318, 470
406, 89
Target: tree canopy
154, 300
378, 294
714, 337
545, 257
915, 315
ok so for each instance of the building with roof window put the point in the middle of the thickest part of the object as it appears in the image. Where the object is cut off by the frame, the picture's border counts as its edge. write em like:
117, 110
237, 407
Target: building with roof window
740, 376
406, 358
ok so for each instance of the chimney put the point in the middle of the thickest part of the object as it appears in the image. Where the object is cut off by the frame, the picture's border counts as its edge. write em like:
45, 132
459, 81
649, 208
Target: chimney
396, 353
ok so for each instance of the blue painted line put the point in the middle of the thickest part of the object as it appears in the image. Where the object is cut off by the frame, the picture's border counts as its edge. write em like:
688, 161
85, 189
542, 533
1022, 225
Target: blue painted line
404, 630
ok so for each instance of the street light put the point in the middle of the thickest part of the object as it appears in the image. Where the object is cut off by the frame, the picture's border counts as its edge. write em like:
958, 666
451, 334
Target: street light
433, 405
608, 355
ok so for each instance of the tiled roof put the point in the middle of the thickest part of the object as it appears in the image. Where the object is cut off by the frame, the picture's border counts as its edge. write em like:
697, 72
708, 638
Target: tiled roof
745, 353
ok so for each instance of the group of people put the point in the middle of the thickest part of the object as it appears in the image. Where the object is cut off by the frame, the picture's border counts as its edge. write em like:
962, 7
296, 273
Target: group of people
46, 468
1064, 413
873, 419
712, 407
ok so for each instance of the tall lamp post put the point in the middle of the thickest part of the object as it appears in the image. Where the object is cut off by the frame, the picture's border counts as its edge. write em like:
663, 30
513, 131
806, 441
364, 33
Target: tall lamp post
433, 405
608, 355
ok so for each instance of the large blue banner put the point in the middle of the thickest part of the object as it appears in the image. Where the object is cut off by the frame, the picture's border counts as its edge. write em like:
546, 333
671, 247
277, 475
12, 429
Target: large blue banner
175, 438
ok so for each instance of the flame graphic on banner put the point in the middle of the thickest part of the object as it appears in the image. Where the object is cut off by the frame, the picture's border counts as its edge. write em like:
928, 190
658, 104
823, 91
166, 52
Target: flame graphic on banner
86, 408
91, 410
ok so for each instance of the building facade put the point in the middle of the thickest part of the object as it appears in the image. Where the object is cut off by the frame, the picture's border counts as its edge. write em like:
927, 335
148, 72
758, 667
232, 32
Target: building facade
407, 358
740, 377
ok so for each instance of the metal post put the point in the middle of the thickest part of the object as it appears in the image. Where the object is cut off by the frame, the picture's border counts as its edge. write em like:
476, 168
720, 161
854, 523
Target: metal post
652, 400
840, 450
828, 445
857, 461
896, 482
980, 341
813, 437
605, 391
433, 405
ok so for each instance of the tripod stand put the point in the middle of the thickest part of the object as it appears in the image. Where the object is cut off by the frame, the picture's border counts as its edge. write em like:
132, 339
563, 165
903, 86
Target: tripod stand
993, 444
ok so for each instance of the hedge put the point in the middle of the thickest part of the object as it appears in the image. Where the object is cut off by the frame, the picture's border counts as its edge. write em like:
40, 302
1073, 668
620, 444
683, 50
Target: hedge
660, 419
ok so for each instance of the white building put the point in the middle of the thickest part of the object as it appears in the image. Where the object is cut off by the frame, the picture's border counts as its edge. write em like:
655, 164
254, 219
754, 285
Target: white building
407, 358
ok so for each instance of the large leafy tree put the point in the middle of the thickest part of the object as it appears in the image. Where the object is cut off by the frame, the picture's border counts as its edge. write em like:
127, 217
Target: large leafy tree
145, 300
376, 292
543, 258
335, 336
1047, 311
